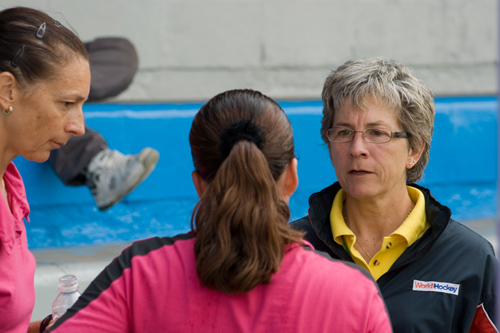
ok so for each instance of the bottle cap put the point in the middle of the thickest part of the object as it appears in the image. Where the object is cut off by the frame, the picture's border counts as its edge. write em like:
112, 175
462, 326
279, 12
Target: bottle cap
68, 283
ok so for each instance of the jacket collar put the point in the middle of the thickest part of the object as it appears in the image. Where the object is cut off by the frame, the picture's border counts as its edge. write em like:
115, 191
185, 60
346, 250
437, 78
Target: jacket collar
320, 205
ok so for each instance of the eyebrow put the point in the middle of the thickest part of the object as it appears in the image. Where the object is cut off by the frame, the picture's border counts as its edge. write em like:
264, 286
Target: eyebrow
75, 96
372, 124
81, 98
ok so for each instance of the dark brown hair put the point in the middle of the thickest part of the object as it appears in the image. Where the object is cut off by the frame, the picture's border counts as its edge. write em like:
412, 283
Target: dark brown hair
241, 142
33, 45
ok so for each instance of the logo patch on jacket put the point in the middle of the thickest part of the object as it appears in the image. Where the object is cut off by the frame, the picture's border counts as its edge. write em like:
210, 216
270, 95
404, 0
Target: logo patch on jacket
439, 287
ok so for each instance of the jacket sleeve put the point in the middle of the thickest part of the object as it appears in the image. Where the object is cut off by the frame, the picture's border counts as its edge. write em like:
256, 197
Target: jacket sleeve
484, 318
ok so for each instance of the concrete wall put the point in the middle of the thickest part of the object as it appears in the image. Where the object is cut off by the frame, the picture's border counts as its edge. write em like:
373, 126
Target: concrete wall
193, 49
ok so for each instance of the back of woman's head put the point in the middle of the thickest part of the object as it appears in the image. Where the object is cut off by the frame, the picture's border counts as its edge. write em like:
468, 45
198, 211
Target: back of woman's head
33, 46
241, 143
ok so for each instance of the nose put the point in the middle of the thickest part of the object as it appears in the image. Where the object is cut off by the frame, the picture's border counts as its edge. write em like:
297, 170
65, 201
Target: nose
76, 124
358, 145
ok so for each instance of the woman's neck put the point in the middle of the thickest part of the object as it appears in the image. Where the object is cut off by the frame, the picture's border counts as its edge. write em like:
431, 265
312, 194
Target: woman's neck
377, 218
6, 156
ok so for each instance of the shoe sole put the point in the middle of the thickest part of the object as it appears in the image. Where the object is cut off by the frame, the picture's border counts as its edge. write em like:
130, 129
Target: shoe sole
149, 158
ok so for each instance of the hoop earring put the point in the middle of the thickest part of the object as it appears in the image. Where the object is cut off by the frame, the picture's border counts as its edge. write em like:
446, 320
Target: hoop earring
9, 110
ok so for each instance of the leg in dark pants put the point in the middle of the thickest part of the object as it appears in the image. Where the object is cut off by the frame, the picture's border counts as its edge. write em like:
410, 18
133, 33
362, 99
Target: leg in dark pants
70, 161
110, 175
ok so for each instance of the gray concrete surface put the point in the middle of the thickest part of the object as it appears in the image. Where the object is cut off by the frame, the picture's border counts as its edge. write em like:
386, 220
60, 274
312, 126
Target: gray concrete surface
194, 49
84, 262
88, 261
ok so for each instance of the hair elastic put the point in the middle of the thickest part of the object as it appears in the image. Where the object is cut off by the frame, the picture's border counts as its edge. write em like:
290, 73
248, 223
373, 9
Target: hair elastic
242, 130
41, 30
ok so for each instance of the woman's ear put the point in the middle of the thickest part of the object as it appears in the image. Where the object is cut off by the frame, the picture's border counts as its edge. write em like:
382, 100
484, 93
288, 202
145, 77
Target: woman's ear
7, 85
414, 155
291, 180
199, 183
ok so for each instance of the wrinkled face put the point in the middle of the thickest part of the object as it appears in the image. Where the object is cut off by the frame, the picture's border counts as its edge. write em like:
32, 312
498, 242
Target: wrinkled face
48, 113
369, 170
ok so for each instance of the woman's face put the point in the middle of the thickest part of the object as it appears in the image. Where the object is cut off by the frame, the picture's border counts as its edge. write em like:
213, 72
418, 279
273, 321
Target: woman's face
368, 170
47, 114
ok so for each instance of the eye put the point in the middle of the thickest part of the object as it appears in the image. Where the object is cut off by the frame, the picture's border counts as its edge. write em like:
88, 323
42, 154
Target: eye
67, 104
344, 132
373, 132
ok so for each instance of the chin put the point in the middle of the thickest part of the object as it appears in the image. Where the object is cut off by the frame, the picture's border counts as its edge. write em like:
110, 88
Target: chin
37, 157
360, 191
360, 194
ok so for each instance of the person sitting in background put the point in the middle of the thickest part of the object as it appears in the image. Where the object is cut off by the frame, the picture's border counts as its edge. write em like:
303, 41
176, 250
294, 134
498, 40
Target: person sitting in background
242, 268
44, 81
435, 274
87, 160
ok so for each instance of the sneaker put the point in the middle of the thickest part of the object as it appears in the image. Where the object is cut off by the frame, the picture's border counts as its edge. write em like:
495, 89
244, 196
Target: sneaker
112, 175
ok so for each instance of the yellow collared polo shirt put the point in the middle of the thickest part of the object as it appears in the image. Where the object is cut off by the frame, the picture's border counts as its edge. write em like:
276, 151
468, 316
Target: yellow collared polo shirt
393, 245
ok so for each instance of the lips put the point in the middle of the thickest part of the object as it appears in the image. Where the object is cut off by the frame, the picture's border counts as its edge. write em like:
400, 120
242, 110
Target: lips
359, 172
58, 144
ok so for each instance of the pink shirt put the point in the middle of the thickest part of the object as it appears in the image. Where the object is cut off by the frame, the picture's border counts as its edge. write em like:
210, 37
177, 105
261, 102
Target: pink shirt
17, 264
153, 287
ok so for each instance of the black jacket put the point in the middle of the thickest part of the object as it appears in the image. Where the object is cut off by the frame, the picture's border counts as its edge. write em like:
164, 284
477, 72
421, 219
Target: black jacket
447, 254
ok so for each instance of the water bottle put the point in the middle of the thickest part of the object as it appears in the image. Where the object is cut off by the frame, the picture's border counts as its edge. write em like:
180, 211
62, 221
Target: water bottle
68, 294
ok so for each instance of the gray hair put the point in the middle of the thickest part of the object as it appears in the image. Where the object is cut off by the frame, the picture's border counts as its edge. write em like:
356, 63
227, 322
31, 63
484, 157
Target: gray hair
394, 84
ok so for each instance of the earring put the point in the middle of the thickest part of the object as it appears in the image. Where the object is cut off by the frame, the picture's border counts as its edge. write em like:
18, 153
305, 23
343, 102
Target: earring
9, 110
411, 163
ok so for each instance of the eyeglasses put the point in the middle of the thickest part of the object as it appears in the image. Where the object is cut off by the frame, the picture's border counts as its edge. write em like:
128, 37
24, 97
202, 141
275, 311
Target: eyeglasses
371, 135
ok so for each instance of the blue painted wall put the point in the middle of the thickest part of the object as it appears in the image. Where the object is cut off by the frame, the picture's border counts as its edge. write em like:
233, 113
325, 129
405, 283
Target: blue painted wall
461, 172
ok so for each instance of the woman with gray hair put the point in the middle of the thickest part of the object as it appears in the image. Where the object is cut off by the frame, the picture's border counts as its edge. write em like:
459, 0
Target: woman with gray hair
435, 274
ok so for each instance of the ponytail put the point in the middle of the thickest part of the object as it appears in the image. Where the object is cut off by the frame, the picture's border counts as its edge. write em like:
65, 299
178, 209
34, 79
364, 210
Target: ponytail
241, 224
241, 143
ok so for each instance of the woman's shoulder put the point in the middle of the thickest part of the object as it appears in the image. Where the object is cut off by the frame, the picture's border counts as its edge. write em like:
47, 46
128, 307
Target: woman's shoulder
343, 289
461, 231
458, 240
151, 247
322, 266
